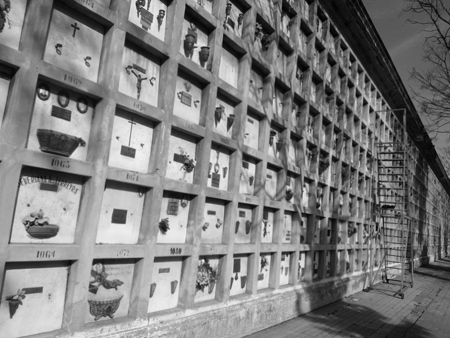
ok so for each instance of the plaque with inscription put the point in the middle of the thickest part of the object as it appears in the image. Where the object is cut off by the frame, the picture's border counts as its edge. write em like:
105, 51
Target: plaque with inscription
245, 164
261, 276
61, 113
172, 207
241, 213
237, 265
215, 180
128, 151
288, 180
139, 68
164, 270
230, 23
185, 98
250, 121
48, 187
119, 216
211, 212
146, 18
178, 158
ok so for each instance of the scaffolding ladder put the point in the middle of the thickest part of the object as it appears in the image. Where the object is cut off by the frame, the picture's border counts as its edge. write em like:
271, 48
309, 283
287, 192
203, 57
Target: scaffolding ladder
393, 209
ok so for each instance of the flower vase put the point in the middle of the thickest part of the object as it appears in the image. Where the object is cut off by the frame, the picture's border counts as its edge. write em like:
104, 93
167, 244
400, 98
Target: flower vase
13, 306
243, 281
188, 45
231, 282
211, 286
237, 227
173, 286
152, 289
248, 227
230, 121
204, 55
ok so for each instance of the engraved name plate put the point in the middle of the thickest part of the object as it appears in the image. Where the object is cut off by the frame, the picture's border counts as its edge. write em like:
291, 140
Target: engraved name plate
186, 98
119, 216
172, 207
237, 265
35, 290
128, 151
146, 18
245, 164
241, 213
215, 180
139, 68
48, 187
211, 212
164, 270
61, 113
261, 276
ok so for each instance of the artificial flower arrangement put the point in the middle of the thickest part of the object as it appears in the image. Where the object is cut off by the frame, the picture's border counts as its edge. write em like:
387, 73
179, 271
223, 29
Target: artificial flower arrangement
14, 301
189, 163
264, 263
206, 276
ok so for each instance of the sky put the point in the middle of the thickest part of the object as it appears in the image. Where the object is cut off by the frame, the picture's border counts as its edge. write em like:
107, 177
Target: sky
403, 40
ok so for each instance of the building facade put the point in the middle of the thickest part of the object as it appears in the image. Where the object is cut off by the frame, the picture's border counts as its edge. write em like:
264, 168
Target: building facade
197, 168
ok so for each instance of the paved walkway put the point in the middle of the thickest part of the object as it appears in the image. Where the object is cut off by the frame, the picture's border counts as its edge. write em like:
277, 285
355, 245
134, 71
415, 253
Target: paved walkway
423, 313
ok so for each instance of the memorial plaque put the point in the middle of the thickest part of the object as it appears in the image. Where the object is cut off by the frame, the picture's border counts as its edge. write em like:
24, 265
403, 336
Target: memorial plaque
61, 113
178, 158
146, 18
237, 265
48, 187
215, 181
119, 216
241, 213
230, 23
245, 164
172, 207
128, 151
260, 276
139, 68
186, 98
164, 270
211, 212
250, 121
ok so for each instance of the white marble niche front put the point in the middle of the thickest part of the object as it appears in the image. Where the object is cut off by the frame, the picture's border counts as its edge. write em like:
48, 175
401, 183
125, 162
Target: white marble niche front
267, 226
47, 207
74, 43
264, 271
188, 100
285, 268
251, 136
219, 165
109, 289
248, 174
140, 75
165, 287
11, 23
229, 68
271, 183
61, 122
238, 280
213, 221
287, 227
224, 117
41, 291
256, 87
150, 15
200, 40
244, 224
182, 147
209, 292
120, 214
175, 208
131, 142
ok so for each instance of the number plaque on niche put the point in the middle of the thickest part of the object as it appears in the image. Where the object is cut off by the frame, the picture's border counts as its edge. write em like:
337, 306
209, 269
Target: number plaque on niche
119, 216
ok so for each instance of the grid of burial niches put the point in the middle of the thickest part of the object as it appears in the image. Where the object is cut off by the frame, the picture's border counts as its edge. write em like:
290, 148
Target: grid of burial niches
310, 104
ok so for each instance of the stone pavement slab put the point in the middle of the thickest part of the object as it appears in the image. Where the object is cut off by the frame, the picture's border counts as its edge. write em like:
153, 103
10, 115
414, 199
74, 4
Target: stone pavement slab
423, 313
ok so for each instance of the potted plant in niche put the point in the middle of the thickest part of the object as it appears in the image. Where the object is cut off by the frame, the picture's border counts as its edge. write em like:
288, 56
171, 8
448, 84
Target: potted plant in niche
206, 276
38, 226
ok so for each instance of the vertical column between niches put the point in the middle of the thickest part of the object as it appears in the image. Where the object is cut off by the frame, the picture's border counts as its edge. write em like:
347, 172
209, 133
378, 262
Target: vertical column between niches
91, 204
